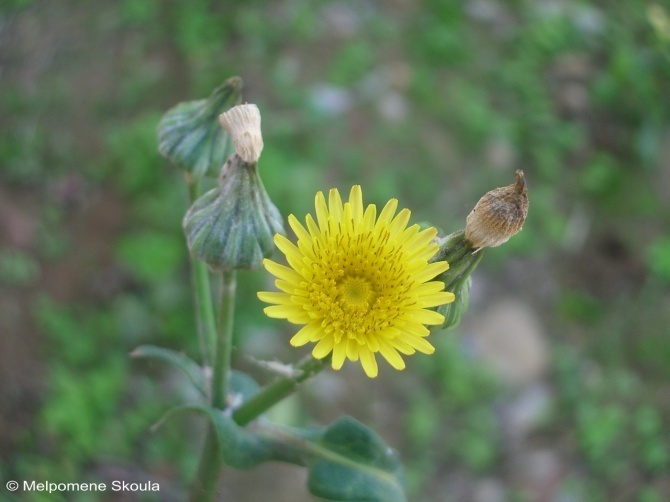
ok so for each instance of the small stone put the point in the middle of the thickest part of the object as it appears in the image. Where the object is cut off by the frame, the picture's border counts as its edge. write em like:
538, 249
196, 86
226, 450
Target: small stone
510, 339
540, 473
489, 490
522, 414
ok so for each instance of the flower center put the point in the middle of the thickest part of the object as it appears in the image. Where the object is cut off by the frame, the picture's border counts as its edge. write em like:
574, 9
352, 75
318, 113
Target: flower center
356, 292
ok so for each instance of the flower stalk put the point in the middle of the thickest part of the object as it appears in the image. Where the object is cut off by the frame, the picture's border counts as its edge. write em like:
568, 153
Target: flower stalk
207, 481
211, 462
205, 316
224, 340
278, 390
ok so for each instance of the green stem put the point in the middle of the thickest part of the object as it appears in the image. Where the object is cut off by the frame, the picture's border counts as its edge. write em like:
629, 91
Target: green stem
207, 481
201, 286
224, 340
278, 390
211, 462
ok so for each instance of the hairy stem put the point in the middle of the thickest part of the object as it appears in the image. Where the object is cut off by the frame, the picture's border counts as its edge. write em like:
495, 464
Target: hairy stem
278, 390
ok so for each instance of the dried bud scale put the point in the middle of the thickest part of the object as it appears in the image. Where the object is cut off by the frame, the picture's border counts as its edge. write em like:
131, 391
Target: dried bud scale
498, 215
243, 122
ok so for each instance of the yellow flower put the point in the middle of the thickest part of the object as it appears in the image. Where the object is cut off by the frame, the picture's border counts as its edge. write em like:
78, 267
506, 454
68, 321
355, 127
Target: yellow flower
359, 284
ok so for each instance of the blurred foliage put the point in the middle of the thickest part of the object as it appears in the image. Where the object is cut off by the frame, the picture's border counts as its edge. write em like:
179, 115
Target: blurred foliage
434, 103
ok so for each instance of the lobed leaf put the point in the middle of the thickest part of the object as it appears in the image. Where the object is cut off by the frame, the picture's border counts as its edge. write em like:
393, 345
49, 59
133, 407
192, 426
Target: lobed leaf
180, 361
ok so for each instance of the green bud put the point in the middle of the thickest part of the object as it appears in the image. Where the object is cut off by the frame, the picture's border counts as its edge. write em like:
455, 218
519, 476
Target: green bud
190, 136
462, 259
233, 225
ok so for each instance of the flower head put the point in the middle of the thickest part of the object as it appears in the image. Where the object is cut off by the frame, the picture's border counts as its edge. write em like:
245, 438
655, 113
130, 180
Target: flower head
499, 215
361, 285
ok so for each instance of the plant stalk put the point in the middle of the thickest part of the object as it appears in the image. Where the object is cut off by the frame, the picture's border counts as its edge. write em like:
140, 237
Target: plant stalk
201, 287
278, 390
211, 462
224, 340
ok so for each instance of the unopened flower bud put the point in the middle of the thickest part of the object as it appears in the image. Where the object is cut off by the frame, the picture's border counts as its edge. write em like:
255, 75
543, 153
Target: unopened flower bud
190, 135
462, 259
498, 215
243, 122
233, 225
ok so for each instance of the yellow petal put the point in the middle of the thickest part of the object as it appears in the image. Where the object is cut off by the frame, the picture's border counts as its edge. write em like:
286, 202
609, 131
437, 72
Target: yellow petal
282, 311
407, 235
399, 223
348, 221
352, 349
339, 354
309, 333
335, 205
298, 229
429, 288
430, 271
391, 355
356, 201
282, 272
274, 297
323, 348
421, 240
402, 347
301, 317
321, 210
420, 344
288, 248
313, 228
369, 217
435, 299
285, 286
368, 361
425, 254
425, 316
387, 213
412, 326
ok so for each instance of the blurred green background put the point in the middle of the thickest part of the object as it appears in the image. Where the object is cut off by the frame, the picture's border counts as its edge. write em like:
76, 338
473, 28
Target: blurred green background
555, 387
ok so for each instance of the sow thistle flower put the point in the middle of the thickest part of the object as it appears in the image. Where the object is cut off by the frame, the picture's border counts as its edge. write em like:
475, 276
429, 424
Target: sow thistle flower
359, 284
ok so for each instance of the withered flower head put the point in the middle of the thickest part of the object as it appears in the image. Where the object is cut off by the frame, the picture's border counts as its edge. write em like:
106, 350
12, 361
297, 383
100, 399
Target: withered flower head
498, 215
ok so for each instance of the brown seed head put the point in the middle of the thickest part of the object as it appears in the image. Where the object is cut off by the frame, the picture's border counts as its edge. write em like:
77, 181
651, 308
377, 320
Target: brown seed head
498, 215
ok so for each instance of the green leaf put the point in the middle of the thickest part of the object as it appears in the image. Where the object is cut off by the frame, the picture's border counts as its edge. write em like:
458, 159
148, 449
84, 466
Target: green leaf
354, 464
180, 361
346, 461
239, 448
